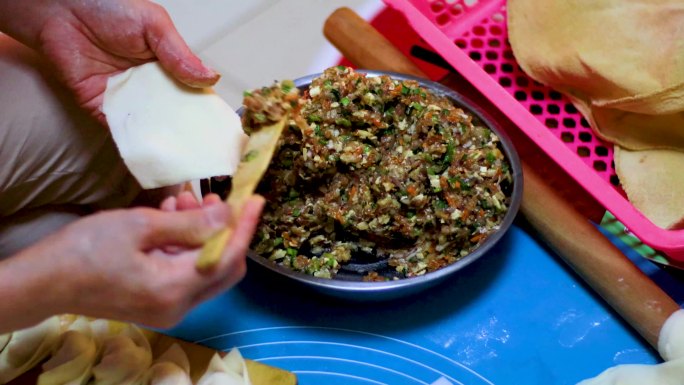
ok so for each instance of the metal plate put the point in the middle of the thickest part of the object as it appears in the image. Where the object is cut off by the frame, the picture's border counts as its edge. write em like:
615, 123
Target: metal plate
349, 285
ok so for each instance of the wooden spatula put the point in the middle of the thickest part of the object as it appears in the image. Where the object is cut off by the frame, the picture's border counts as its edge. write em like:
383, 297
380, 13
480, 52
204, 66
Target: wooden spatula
255, 160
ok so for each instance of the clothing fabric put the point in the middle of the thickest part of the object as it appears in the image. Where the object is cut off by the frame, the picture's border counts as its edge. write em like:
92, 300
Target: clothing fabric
56, 162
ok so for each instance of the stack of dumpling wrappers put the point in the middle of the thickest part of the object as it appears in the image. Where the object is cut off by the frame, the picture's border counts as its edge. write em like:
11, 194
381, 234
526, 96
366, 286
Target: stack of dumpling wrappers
621, 62
74, 350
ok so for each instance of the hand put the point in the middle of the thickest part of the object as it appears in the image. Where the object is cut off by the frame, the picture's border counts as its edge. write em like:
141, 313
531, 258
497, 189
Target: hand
89, 41
138, 265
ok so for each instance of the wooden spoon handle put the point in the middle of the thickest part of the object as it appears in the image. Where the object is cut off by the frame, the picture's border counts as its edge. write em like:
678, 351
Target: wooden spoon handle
612, 275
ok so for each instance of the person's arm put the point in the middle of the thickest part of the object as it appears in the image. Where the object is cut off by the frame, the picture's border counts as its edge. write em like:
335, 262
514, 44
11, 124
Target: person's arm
89, 41
135, 265
23, 19
29, 292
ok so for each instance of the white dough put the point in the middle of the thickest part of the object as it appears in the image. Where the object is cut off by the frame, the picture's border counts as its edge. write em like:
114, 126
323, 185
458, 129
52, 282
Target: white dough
126, 357
671, 372
168, 133
171, 368
72, 361
229, 370
27, 347
668, 373
4, 339
671, 339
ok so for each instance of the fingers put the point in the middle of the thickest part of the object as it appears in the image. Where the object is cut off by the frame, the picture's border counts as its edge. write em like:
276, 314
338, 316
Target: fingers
187, 201
242, 235
232, 267
169, 204
211, 199
174, 54
189, 228
177, 285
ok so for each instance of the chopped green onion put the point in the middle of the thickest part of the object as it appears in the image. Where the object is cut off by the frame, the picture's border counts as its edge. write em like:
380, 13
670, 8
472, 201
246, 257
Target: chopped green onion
314, 118
344, 101
434, 170
343, 122
287, 86
247, 93
250, 155
417, 106
259, 117
449, 157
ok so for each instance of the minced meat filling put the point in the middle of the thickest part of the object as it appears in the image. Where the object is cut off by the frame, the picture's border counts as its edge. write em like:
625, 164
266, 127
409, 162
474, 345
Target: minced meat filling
269, 104
384, 168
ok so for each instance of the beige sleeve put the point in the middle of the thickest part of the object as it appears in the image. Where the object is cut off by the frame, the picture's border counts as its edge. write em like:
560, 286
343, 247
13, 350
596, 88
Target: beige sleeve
51, 153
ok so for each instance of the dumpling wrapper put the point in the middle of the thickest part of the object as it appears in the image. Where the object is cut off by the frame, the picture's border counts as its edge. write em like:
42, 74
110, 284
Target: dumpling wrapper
171, 368
621, 62
654, 183
73, 359
126, 356
169, 133
27, 347
229, 370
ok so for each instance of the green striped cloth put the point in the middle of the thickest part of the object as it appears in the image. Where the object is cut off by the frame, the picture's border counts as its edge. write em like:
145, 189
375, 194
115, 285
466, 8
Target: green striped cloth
613, 226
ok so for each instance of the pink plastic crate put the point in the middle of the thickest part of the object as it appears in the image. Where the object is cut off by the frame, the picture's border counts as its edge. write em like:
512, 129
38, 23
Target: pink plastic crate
471, 35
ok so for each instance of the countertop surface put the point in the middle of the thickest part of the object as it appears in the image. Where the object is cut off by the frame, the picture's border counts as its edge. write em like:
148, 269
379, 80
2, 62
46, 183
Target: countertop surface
516, 316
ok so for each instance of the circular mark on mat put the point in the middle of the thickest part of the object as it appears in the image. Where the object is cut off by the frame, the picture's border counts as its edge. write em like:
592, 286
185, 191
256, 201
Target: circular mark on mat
332, 356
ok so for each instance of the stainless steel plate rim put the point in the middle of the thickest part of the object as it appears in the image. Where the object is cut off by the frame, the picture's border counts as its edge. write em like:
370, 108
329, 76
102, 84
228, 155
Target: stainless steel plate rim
375, 289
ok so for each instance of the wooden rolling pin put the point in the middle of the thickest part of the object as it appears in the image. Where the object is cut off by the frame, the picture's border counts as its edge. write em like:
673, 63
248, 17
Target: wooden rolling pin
612, 275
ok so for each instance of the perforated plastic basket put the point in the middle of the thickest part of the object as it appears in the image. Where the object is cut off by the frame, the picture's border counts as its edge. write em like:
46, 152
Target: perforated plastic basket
471, 35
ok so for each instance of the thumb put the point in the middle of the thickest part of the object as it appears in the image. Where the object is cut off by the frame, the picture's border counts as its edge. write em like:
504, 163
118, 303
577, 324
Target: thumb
189, 228
174, 54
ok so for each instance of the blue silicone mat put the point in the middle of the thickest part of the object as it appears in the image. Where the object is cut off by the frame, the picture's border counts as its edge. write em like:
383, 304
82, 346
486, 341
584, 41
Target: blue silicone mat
516, 316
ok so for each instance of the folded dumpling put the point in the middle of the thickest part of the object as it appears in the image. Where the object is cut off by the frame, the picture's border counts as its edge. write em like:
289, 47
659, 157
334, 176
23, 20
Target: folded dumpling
229, 370
126, 356
26, 348
74, 356
4, 339
171, 368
